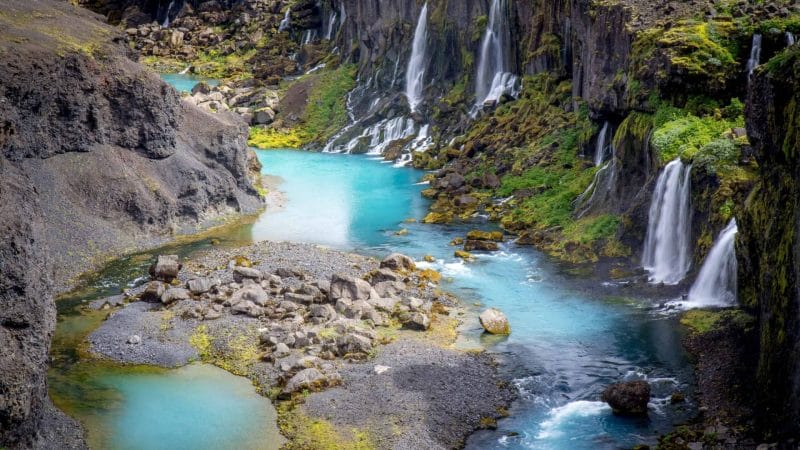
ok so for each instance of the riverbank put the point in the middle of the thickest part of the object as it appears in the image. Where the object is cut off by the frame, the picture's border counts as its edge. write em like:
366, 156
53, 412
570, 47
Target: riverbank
298, 318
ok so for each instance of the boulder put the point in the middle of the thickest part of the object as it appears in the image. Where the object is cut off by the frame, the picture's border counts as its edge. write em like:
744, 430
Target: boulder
242, 273
385, 304
153, 291
166, 268
397, 261
478, 235
628, 398
418, 321
311, 379
200, 285
487, 246
322, 313
494, 322
389, 288
173, 295
299, 298
253, 293
349, 288
353, 343
134, 339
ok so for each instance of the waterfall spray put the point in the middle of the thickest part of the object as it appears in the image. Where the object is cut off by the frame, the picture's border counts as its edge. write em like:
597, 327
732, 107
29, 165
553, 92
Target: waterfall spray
493, 79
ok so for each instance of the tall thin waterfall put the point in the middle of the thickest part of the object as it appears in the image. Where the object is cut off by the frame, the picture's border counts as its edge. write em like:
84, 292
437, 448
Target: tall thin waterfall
331, 25
790, 38
165, 24
666, 249
415, 73
716, 283
286, 20
493, 78
755, 54
602, 147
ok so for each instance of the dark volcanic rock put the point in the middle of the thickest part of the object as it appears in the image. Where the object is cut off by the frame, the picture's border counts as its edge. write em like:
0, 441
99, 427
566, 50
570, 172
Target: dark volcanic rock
629, 398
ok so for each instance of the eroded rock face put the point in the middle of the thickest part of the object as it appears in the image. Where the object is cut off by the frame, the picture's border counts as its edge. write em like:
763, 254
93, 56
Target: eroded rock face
629, 398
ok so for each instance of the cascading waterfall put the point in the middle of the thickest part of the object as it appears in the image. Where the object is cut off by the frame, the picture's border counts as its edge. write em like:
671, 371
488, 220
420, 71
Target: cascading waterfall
755, 54
286, 22
666, 249
165, 24
331, 25
716, 282
790, 39
601, 152
415, 73
493, 79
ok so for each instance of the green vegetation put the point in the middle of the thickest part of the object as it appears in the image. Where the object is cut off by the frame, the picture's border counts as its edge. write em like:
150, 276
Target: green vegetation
235, 352
306, 433
326, 112
686, 135
268, 138
703, 321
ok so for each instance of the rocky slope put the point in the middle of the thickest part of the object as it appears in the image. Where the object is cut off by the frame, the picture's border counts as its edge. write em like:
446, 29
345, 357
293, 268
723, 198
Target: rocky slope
98, 157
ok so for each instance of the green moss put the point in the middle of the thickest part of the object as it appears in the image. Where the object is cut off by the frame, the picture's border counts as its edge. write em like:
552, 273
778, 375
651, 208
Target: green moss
326, 112
234, 352
679, 133
701, 48
215, 64
703, 321
269, 138
306, 433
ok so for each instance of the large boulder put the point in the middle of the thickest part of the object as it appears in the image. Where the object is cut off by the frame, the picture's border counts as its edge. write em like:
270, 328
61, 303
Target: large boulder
349, 288
173, 295
311, 379
629, 398
397, 261
166, 268
495, 322
253, 293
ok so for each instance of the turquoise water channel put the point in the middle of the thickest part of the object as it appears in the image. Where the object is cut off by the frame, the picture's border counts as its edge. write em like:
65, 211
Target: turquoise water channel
570, 337
185, 82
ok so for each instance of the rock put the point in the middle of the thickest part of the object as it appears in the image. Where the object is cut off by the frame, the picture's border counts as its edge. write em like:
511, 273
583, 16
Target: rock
478, 235
311, 379
200, 285
323, 313
381, 275
677, 397
628, 398
494, 322
134, 339
385, 304
349, 288
176, 39
284, 272
242, 273
173, 295
379, 369
488, 246
463, 254
388, 288
212, 315
263, 117
398, 262
288, 306
413, 303
418, 321
281, 350
358, 310
253, 293
299, 298
166, 268
465, 201
352, 343
153, 292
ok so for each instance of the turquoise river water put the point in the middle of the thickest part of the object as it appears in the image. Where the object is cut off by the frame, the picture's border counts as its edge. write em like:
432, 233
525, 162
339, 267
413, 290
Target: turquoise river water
570, 337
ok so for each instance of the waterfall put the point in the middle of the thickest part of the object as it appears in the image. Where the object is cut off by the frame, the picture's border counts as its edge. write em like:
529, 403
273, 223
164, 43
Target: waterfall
755, 54
601, 149
666, 249
165, 24
286, 22
415, 73
331, 24
790, 39
493, 79
716, 283
309, 36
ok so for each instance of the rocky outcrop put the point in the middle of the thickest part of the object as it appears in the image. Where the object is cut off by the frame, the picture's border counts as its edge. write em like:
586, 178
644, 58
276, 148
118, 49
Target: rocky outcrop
629, 398
97, 156
769, 239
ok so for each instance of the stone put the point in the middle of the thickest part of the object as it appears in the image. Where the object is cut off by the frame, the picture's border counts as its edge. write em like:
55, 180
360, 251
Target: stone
212, 315
166, 268
398, 262
243, 307
173, 295
242, 273
323, 312
299, 298
382, 275
463, 254
288, 306
413, 303
262, 117
349, 288
311, 379
153, 291
176, 39
253, 293
478, 235
418, 321
134, 339
494, 321
385, 304
388, 289
357, 310
284, 272
281, 350
628, 398
353, 343
487, 246
200, 285
379, 369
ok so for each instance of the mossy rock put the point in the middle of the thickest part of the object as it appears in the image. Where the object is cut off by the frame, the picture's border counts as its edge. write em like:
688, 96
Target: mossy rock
438, 217
478, 235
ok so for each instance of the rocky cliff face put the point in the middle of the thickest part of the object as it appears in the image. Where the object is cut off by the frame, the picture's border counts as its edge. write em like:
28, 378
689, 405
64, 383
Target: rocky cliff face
97, 157
769, 240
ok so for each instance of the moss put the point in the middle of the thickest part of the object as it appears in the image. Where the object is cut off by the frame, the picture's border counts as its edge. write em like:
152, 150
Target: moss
704, 321
234, 352
701, 49
201, 341
326, 112
680, 133
269, 138
306, 433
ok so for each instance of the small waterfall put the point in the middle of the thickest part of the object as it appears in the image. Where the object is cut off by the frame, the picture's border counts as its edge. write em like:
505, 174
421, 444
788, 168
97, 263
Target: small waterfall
755, 54
493, 79
666, 249
286, 22
601, 151
165, 24
790, 39
309, 36
331, 25
716, 283
415, 73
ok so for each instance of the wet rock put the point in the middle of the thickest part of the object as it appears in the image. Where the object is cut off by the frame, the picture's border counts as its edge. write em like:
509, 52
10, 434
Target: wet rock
173, 295
311, 379
399, 262
166, 268
242, 273
629, 398
153, 292
478, 235
349, 288
463, 254
253, 293
494, 322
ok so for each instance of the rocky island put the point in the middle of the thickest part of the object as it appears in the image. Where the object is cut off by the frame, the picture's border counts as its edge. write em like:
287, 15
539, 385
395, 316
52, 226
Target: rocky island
335, 224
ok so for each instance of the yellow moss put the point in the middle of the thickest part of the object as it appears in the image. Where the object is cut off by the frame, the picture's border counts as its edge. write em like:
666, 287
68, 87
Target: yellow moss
202, 342
430, 275
306, 433
463, 254
268, 138
438, 217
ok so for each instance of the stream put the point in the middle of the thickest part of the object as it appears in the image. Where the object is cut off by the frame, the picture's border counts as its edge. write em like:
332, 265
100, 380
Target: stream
570, 338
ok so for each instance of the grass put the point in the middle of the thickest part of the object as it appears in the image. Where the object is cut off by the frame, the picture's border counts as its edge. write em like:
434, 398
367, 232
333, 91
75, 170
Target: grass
326, 112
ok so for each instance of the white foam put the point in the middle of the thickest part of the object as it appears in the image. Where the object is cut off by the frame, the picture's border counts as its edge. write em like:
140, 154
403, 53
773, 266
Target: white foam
559, 416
